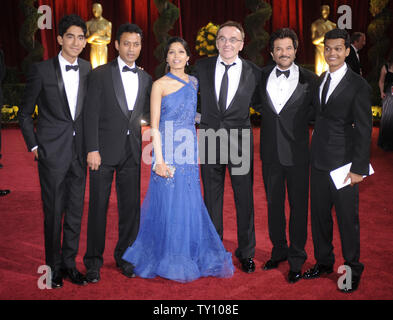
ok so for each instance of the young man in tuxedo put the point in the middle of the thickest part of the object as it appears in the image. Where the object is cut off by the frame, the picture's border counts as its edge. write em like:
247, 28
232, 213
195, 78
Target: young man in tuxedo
227, 84
358, 41
342, 135
118, 96
58, 87
285, 96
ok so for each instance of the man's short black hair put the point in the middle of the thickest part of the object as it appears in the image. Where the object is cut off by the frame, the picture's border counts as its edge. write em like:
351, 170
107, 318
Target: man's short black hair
71, 20
338, 34
282, 34
130, 28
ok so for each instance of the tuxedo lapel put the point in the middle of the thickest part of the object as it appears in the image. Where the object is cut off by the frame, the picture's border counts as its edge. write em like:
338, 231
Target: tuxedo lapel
318, 96
61, 87
265, 93
246, 69
119, 88
345, 81
141, 88
81, 90
299, 91
211, 77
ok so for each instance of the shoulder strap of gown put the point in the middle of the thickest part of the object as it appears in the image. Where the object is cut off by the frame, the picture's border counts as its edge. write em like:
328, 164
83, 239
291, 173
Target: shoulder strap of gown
170, 75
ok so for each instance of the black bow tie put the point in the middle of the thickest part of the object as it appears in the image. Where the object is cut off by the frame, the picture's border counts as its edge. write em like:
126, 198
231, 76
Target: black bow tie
126, 69
75, 68
285, 73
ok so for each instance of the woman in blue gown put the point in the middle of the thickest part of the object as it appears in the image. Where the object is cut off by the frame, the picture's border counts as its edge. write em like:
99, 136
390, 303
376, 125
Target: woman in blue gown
177, 239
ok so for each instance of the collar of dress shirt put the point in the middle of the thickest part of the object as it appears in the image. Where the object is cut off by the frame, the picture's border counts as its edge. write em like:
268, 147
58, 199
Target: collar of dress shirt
63, 62
293, 70
356, 50
122, 64
338, 74
237, 61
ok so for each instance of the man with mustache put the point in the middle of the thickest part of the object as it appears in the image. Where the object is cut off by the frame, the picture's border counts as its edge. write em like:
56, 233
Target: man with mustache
285, 102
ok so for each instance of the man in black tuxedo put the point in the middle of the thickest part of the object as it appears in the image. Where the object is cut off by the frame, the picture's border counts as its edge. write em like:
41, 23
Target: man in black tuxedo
2, 75
58, 87
342, 135
227, 84
358, 41
118, 96
285, 96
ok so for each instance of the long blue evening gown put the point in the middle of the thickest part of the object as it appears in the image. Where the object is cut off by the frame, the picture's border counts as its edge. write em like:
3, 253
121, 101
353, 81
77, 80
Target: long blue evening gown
177, 239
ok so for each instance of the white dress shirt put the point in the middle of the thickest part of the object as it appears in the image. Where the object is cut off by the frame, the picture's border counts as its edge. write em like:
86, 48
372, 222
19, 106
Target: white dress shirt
336, 76
234, 74
282, 88
71, 83
130, 83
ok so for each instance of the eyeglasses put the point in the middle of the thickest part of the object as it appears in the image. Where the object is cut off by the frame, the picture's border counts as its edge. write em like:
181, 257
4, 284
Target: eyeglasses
223, 40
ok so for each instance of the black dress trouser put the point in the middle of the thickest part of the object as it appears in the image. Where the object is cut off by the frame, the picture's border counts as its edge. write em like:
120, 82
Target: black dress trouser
346, 203
128, 202
63, 193
295, 179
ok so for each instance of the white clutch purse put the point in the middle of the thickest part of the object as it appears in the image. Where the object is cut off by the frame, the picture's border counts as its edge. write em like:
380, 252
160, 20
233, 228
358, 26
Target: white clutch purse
171, 168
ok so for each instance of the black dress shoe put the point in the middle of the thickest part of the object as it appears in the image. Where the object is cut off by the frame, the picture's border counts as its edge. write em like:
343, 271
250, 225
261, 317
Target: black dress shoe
317, 271
126, 269
57, 280
1, 166
4, 192
248, 265
273, 264
294, 276
355, 285
93, 276
75, 276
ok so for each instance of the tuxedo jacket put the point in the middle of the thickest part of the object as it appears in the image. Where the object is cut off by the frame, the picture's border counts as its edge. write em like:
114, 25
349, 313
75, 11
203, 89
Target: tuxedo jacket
353, 61
285, 136
342, 132
54, 134
106, 113
237, 115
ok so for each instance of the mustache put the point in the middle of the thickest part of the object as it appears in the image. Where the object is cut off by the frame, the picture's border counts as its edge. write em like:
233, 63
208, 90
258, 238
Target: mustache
287, 57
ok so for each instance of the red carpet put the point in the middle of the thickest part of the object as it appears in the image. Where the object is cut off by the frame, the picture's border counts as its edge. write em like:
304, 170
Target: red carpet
22, 251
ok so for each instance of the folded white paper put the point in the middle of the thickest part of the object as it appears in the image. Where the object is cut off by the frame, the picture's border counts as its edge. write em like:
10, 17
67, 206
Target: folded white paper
339, 175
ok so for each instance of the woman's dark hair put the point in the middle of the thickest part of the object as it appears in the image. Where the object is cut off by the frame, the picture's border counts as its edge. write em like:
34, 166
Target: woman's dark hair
71, 20
282, 34
174, 40
338, 34
130, 28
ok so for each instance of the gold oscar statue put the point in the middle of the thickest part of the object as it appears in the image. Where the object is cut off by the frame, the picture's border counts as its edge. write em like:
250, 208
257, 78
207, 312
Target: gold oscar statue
318, 31
99, 32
